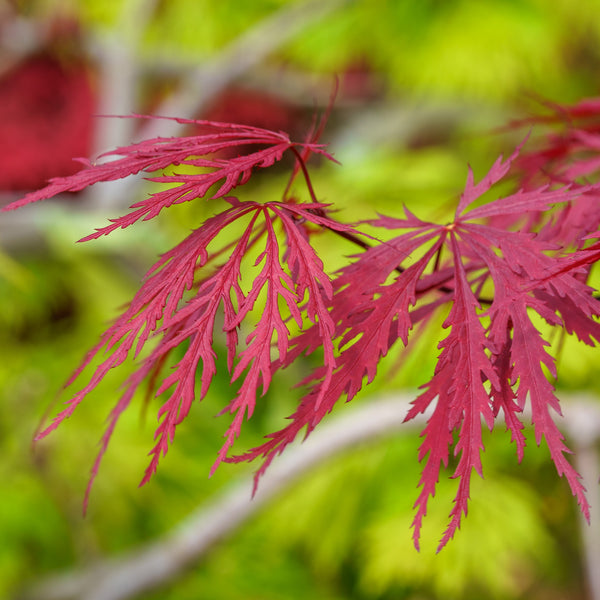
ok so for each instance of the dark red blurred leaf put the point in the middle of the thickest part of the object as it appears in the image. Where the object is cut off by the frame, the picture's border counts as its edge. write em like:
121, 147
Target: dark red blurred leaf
46, 109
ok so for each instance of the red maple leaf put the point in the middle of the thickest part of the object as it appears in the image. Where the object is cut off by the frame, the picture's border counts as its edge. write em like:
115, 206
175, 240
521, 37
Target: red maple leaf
291, 273
482, 368
491, 274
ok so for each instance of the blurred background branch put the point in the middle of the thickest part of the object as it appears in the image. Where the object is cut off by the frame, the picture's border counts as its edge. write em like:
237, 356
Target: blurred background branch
161, 561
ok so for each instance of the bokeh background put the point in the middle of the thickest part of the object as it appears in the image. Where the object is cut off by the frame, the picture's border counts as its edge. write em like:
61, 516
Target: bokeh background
423, 89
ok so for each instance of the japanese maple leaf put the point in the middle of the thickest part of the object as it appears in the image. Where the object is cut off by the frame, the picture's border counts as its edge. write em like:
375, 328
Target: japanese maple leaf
492, 360
182, 294
493, 269
568, 153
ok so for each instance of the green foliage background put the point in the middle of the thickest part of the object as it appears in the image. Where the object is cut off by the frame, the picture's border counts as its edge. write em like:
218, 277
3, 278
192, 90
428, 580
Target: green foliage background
344, 532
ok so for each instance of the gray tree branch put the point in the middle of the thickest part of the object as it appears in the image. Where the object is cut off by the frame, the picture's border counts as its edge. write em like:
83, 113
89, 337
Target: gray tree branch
130, 574
202, 84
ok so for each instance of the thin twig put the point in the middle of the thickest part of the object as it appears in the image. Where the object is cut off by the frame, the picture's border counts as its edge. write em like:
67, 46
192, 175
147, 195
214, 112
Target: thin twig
245, 52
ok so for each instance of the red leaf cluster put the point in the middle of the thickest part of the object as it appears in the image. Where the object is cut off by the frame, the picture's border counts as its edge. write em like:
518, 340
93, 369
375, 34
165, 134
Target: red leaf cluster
497, 269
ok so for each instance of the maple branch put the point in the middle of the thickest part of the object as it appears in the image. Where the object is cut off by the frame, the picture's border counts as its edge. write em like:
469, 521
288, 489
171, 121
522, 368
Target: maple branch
119, 69
365, 245
585, 434
161, 561
321, 213
242, 54
304, 170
